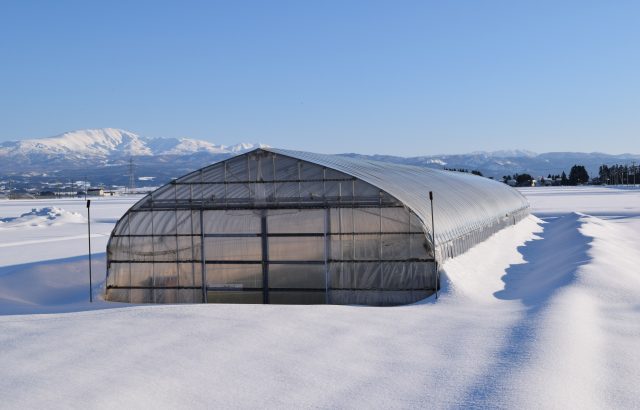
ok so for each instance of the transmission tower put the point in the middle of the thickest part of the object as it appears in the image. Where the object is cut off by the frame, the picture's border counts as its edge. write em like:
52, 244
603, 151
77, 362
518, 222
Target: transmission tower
132, 180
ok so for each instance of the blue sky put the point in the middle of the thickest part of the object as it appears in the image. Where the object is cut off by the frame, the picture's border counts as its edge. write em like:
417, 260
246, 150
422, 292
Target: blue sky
389, 77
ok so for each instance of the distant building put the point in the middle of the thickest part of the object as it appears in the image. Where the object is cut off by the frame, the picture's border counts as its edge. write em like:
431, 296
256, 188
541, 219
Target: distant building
21, 194
95, 192
47, 194
545, 181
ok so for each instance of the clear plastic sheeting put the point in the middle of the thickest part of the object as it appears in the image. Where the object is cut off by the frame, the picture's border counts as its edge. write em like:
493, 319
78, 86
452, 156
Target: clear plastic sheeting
463, 203
275, 226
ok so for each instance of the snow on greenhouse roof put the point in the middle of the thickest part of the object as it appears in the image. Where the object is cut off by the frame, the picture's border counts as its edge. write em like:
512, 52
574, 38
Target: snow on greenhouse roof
462, 202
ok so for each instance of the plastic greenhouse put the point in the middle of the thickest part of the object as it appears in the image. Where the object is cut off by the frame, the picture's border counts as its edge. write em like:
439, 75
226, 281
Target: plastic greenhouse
279, 226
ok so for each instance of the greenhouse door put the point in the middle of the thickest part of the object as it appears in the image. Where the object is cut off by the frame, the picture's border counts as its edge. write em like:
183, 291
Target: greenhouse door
265, 256
295, 255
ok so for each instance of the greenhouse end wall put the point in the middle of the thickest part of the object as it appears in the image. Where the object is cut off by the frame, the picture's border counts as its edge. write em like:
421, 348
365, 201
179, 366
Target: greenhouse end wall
267, 227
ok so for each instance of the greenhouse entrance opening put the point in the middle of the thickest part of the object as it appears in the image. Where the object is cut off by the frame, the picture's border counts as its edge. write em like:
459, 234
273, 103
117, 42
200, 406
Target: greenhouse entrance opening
267, 256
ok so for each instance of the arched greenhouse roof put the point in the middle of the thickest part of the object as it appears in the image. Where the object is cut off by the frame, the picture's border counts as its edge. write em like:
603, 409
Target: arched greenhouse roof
462, 203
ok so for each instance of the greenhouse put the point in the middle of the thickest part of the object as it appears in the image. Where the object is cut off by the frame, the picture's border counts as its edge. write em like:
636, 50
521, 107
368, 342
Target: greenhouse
290, 227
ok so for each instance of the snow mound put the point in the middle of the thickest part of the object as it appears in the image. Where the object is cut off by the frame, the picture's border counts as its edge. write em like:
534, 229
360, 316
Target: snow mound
42, 217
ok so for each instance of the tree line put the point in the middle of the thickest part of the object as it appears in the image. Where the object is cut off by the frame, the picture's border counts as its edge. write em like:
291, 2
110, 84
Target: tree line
618, 175
578, 175
474, 171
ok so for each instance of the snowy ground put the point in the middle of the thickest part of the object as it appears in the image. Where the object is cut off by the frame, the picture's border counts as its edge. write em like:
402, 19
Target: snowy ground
545, 314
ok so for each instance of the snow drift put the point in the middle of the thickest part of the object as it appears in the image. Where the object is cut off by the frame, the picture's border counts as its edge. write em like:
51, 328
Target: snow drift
42, 217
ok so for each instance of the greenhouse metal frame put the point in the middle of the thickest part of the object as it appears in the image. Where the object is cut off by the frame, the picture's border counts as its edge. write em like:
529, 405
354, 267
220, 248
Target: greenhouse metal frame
279, 226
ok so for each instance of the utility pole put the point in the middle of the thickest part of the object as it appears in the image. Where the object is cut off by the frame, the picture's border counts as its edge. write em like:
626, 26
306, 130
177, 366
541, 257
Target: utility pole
89, 239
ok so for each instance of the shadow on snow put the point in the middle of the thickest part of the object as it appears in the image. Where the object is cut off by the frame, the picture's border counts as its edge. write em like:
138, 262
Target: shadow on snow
550, 264
52, 286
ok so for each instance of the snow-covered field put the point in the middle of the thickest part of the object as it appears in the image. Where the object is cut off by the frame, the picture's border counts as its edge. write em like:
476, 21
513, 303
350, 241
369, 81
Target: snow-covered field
545, 314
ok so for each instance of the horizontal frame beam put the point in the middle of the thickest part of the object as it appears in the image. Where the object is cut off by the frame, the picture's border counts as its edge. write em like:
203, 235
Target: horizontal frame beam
279, 262
272, 181
247, 289
258, 235
249, 204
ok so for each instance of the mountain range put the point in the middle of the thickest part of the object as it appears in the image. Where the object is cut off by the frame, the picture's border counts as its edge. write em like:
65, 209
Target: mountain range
105, 153
111, 143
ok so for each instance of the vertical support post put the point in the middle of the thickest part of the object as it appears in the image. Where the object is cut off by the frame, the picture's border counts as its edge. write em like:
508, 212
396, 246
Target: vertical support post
324, 184
153, 289
275, 184
193, 250
258, 189
89, 239
340, 238
299, 182
353, 192
327, 250
410, 235
353, 248
249, 175
175, 213
226, 202
203, 263
433, 236
381, 284
129, 240
265, 257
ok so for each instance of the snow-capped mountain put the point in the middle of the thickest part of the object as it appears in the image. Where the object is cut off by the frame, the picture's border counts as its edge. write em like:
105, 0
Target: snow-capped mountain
111, 143
103, 155
511, 153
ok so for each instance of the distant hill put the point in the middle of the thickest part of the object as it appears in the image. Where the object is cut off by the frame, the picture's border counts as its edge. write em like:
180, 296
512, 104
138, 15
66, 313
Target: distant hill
499, 163
103, 155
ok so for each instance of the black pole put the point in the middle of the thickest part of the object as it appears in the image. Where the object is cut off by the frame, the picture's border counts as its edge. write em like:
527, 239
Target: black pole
433, 236
265, 258
89, 238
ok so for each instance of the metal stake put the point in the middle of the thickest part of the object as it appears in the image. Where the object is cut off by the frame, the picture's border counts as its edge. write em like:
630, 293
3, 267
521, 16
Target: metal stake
433, 235
89, 238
